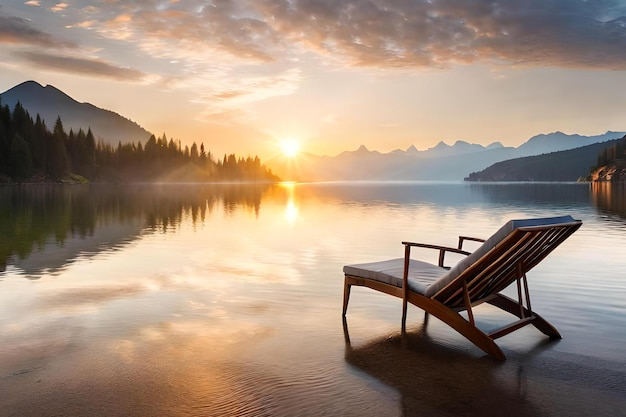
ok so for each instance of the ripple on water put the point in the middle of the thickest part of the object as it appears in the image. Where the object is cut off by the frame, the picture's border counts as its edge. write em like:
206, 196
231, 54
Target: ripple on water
255, 391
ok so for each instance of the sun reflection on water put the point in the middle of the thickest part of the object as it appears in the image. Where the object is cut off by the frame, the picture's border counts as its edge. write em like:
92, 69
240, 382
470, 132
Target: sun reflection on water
292, 209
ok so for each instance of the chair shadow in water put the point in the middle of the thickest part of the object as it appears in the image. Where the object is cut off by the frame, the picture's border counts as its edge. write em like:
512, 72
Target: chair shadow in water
435, 380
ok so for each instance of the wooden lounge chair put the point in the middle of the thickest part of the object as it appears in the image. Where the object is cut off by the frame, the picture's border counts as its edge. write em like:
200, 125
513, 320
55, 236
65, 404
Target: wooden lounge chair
501, 260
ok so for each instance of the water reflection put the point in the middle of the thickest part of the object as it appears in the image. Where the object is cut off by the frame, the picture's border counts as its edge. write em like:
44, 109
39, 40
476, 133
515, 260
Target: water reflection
87, 219
610, 199
439, 380
534, 194
453, 194
218, 300
433, 379
73, 220
291, 207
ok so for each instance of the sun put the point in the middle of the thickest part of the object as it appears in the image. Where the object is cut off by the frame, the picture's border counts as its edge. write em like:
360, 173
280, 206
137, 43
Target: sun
290, 147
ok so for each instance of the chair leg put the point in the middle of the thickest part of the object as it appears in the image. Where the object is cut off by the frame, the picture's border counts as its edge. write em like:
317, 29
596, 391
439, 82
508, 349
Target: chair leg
460, 324
475, 335
346, 295
511, 306
404, 312
346, 334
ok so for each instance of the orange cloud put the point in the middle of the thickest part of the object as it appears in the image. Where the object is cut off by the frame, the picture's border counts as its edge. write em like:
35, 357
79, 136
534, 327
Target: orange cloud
59, 7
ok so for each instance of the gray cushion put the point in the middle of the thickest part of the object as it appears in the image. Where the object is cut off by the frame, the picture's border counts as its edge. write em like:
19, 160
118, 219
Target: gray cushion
428, 279
421, 274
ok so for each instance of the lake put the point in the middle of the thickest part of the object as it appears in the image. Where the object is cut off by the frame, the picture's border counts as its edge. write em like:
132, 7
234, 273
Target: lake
219, 300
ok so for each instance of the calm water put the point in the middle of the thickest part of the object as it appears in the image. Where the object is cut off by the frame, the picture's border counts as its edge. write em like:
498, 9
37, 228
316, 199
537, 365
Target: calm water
214, 300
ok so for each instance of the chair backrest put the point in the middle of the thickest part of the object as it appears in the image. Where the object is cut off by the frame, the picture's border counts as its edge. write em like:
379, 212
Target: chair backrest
513, 250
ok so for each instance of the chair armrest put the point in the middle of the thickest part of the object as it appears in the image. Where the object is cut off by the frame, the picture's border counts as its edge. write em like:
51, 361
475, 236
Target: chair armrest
464, 238
442, 250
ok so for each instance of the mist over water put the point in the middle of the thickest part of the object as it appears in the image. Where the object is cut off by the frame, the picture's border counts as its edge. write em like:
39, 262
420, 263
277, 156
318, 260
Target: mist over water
218, 300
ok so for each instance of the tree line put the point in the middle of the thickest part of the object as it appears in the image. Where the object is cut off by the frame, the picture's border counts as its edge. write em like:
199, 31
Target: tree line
611, 163
32, 216
29, 151
615, 153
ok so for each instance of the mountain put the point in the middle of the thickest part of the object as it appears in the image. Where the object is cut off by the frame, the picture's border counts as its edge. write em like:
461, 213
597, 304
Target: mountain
459, 147
50, 103
569, 165
441, 162
559, 141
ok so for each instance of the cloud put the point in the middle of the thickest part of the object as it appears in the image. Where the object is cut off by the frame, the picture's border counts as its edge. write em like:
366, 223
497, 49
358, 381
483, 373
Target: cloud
371, 33
83, 66
227, 26
234, 53
18, 31
381, 33
238, 52
88, 297
59, 7
439, 33
224, 102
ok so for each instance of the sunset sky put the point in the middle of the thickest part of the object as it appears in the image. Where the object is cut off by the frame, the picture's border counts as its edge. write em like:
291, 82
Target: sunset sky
244, 75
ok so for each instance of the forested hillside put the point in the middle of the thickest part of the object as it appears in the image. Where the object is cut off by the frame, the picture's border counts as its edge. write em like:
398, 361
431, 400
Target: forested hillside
611, 163
30, 152
570, 165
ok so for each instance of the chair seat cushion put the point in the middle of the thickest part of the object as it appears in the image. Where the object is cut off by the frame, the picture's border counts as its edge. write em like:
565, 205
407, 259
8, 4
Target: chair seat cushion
421, 274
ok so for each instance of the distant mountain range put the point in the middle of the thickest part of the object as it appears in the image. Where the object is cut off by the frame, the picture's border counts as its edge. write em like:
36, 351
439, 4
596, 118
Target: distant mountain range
50, 103
442, 162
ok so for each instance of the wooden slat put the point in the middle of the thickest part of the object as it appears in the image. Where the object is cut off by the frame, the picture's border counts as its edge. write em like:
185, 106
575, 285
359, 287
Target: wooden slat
503, 331
496, 270
484, 269
375, 285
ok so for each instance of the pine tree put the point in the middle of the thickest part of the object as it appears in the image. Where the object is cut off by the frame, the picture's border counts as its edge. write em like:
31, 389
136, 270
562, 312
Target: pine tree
41, 139
5, 133
21, 162
57, 159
